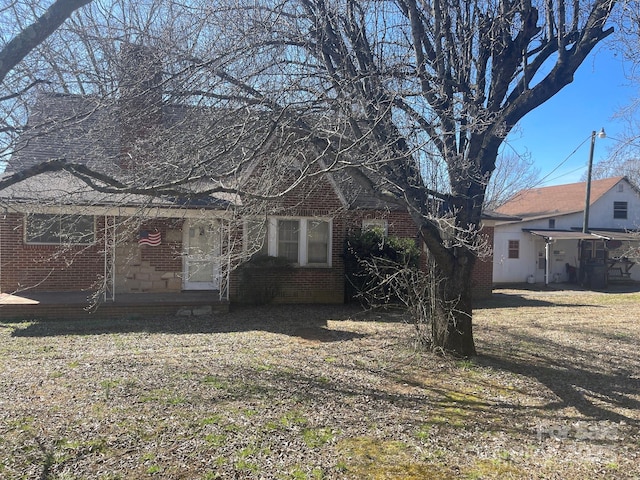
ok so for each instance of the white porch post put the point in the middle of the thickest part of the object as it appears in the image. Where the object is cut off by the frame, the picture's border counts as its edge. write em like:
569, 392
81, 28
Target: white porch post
547, 259
109, 258
226, 249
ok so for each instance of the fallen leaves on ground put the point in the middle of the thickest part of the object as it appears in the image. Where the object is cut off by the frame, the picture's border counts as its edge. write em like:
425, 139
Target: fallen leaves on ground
326, 392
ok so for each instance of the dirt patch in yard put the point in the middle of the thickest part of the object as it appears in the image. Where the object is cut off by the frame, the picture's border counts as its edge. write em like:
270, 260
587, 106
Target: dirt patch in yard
296, 392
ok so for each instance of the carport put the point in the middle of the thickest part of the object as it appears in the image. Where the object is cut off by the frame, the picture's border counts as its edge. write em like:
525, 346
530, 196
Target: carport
595, 265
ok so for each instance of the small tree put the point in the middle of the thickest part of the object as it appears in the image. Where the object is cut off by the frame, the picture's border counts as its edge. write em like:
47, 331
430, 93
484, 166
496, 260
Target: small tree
386, 272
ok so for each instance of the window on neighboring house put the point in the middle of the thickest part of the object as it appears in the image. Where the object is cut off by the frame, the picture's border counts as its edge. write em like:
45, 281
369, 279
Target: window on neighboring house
621, 187
552, 223
619, 209
514, 248
375, 224
59, 229
302, 241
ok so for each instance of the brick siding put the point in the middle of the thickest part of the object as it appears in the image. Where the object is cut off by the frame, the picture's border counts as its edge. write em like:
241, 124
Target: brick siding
45, 267
50, 268
159, 269
482, 279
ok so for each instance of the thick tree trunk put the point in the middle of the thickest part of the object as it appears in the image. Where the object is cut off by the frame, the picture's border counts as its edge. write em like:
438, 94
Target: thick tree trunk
452, 307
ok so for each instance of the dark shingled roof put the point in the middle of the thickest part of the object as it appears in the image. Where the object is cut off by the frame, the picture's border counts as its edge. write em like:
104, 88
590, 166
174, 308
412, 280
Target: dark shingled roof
87, 130
77, 128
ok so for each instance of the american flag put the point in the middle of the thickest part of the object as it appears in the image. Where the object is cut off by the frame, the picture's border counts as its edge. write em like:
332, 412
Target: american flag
149, 238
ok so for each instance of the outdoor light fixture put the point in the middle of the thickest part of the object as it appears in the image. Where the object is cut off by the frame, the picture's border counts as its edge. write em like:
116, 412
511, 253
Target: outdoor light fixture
587, 200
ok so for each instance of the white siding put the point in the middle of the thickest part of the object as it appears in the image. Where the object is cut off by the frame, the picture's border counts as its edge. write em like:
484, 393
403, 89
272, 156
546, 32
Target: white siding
507, 269
532, 248
601, 213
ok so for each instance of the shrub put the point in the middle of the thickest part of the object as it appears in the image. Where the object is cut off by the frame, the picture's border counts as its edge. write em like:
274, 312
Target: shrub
260, 278
372, 260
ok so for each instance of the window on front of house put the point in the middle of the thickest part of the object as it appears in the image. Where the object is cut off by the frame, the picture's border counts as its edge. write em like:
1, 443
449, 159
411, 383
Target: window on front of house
514, 248
255, 237
288, 240
375, 224
302, 241
552, 223
317, 242
620, 210
48, 229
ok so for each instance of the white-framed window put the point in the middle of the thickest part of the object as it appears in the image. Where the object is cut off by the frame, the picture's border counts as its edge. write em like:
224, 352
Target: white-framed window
47, 229
375, 224
288, 240
318, 242
301, 240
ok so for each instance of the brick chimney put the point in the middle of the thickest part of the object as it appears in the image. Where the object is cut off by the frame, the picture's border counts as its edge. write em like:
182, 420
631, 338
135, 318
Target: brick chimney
140, 102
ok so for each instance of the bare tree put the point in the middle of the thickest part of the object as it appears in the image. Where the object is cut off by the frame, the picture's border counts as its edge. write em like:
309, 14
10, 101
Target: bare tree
613, 167
513, 173
626, 43
409, 101
24, 27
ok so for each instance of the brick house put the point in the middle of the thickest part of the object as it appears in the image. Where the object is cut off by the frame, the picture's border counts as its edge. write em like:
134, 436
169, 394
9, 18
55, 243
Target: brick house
59, 234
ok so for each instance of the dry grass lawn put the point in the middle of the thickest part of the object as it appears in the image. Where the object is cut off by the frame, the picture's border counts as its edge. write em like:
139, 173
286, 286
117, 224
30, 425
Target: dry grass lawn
327, 393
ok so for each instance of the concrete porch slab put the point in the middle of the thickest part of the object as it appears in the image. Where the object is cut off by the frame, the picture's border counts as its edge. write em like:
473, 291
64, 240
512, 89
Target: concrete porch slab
67, 305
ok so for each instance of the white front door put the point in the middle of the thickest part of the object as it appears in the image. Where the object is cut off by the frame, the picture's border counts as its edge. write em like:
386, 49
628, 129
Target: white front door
202, 248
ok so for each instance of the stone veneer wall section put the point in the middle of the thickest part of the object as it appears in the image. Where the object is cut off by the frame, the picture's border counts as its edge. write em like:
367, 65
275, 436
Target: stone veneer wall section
144, 268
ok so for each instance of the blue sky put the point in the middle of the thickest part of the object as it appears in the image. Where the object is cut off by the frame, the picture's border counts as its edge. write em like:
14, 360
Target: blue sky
554, 130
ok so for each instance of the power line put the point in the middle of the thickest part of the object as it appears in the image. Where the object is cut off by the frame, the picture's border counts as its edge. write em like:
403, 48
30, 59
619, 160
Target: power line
563, 162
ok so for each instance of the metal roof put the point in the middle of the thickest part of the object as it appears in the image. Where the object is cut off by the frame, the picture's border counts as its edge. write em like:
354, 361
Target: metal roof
591, 235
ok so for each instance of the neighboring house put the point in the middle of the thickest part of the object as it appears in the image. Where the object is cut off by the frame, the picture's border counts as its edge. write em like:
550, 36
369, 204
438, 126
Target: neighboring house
57, 233
544, 240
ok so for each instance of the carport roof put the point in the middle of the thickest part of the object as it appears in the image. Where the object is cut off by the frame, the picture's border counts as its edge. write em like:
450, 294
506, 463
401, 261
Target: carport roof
591, 235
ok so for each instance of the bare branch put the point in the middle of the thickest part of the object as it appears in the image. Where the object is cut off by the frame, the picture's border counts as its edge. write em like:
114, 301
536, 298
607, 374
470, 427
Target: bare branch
33, 35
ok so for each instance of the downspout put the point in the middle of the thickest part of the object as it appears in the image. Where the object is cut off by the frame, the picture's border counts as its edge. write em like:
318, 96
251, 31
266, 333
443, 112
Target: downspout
114, 238
225, 295
105, 274
3, 218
